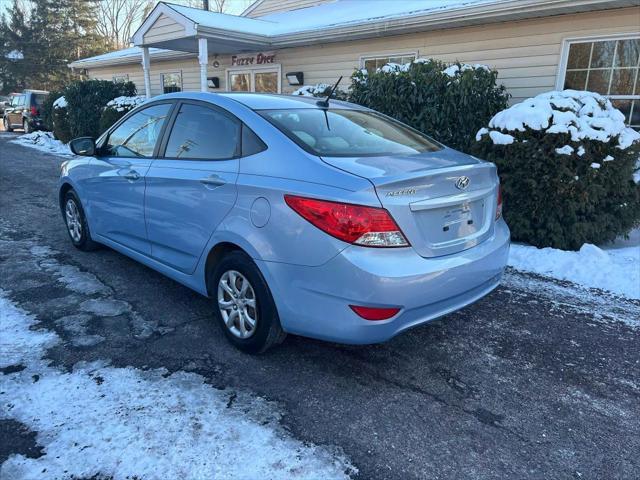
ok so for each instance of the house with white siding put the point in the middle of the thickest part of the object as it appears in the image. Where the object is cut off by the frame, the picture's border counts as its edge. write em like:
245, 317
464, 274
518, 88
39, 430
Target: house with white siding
278, 45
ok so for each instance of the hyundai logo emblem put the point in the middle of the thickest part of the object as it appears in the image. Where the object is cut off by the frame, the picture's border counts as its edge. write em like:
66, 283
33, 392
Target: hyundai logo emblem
462, 183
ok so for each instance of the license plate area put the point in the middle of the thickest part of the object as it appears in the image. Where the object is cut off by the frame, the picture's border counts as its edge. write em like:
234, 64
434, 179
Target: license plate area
453, 224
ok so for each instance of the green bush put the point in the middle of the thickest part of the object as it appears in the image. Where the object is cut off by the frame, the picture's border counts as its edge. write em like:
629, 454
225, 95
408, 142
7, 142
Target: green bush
109, 117
566, 162
61, 126
86, 101
46, 110
118, 108
448, 103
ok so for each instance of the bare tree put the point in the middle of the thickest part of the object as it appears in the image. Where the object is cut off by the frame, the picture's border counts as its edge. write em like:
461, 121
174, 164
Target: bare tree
118, 19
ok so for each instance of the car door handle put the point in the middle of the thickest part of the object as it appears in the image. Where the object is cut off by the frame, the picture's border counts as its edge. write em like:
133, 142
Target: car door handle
212, 181
132, 175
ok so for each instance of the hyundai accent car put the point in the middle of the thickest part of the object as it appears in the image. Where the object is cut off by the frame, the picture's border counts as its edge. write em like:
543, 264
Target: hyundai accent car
327, 220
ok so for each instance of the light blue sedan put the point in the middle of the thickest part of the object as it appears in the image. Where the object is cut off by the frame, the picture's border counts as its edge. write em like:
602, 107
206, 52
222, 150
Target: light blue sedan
330, 221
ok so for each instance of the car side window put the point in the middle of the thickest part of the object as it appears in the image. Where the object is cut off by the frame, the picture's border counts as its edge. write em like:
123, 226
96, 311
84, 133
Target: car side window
203, 133
137, 136
251, 143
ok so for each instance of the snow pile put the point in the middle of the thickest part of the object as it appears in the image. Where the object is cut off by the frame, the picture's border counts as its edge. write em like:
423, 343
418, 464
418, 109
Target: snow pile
455, 70
60, 102
99, 421
45, 142
615, 270
311, 90
583, 115
124, 104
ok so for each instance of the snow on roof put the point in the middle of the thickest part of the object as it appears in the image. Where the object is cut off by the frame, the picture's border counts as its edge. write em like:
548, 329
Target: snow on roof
348, 12
334, 14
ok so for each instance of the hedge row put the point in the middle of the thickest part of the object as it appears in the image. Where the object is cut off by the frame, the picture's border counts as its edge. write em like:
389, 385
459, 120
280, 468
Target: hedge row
85, 105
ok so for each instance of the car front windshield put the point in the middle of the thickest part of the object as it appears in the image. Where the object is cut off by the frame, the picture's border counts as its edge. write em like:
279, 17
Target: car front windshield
348, 133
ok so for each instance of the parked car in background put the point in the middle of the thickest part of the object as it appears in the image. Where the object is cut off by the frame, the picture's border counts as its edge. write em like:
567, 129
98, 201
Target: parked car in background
24, 111
4, 102
293, 215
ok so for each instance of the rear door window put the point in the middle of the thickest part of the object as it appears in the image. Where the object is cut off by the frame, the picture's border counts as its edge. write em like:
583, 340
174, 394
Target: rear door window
203, 133
37, 100
137, 135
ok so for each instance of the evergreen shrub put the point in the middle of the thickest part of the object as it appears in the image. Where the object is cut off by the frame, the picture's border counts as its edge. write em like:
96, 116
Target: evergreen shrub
567, 164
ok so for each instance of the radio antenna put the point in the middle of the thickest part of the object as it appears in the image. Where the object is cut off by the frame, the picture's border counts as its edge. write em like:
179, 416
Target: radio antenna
325, 103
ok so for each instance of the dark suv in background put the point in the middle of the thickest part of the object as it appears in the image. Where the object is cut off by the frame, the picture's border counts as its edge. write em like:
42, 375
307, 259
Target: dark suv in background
24, 111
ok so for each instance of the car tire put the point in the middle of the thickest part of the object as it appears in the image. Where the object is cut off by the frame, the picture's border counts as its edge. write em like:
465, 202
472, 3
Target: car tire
256, 305
26, 127
76, 222
7, 125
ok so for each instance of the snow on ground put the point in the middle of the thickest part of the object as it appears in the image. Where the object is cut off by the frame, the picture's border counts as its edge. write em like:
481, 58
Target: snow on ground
616, 270
44, 142
123, 423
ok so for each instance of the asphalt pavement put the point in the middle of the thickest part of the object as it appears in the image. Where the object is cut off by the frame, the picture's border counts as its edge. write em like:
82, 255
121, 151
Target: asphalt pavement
540, 379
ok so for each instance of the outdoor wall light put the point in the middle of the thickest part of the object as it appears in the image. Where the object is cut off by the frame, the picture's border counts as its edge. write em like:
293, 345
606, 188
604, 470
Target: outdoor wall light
213, 82
295, 78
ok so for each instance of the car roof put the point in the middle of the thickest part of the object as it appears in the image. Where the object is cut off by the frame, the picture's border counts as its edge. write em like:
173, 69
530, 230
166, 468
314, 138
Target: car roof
272, 101
260, 101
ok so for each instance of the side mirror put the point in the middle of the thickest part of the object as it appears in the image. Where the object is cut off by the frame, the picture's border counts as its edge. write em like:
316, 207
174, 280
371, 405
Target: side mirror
85, 146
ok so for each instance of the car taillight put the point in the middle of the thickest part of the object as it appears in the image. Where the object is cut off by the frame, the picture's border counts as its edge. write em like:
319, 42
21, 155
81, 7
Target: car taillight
499, 206
356, 224
34, 111
374, 313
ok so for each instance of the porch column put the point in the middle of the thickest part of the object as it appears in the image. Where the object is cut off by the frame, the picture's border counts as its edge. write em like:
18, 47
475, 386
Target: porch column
203, 60
146, 69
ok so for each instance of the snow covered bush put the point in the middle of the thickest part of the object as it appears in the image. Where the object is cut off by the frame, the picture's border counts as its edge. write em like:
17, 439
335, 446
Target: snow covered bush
86, 101
448, 102
118, 108
320, 90
55, 117
567, 163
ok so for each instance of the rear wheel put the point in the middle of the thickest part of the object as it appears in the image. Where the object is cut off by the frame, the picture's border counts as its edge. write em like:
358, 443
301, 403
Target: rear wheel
7, 125
244, 305
76, 221
25, 126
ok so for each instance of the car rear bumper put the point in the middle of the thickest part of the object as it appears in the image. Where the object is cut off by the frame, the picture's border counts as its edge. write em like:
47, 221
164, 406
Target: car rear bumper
314, 301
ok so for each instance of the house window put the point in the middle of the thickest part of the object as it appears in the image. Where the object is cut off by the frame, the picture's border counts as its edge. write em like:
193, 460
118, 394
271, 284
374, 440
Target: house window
608, 67
171, 82
121, 78
371, 64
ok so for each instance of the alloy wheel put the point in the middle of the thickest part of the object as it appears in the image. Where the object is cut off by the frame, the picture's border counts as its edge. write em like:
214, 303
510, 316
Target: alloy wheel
237, 304
74, 221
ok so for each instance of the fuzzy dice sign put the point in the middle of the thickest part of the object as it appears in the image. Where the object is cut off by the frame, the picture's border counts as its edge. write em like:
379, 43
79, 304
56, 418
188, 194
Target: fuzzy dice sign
253, 59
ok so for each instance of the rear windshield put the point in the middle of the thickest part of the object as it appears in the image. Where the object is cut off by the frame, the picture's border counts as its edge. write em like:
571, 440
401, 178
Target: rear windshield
38, 100
348, 133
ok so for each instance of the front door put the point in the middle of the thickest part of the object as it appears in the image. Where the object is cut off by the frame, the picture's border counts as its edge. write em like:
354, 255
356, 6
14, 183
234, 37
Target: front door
193, 187
115, 194
260, 80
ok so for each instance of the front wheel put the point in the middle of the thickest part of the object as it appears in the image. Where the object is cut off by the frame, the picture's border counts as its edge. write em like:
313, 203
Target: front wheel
243, 304
76, 222
26, 127
7, 125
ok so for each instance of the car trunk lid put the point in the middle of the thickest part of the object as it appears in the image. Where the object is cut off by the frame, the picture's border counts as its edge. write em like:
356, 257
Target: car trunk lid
444, 202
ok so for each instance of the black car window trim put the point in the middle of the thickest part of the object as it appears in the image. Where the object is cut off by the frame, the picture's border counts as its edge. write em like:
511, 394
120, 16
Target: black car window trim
102, 140
167, 133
